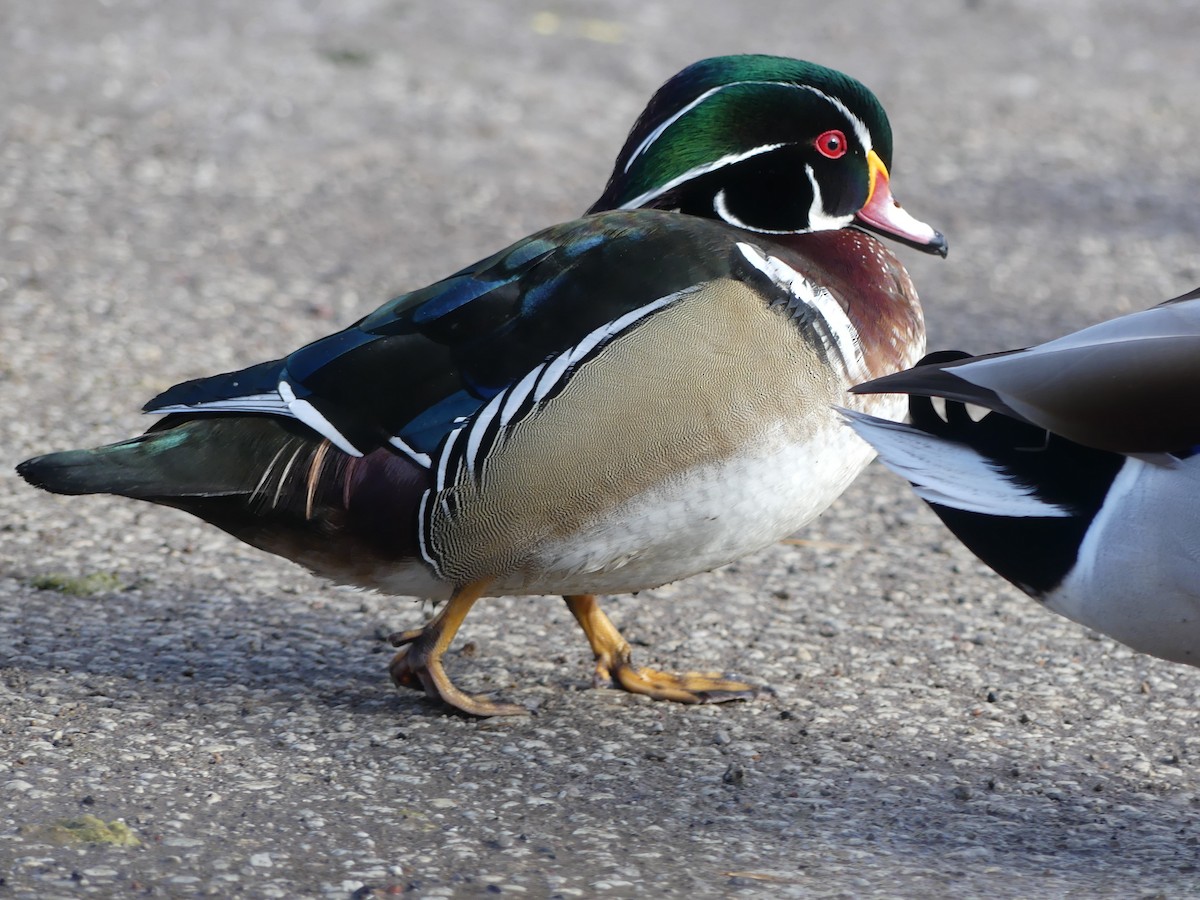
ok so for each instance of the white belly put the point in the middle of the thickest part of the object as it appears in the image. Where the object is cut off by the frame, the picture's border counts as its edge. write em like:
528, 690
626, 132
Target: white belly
700, 520
695, 522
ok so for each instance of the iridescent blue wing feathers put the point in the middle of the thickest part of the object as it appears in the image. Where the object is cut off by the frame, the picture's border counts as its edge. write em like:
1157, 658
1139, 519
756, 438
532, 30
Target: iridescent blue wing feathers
421, 364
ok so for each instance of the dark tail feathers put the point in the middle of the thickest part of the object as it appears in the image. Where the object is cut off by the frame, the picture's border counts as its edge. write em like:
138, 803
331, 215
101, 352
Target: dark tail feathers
269, 481
212, 457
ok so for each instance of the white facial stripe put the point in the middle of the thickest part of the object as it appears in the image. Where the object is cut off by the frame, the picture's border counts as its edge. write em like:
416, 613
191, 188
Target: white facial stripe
726, 214
818, 219
696, 172
657, 132
833, 325
722, 210
860, 130
860, 127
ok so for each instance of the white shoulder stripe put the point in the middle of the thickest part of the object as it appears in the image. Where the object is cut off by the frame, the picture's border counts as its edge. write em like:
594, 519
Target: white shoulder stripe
834, 326
860, 127
948, 473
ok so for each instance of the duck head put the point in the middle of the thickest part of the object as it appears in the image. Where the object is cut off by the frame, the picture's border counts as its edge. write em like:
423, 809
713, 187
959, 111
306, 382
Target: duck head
768, 144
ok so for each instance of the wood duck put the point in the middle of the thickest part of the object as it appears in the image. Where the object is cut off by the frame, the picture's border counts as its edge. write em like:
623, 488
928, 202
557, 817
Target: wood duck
1079, 484
606, 406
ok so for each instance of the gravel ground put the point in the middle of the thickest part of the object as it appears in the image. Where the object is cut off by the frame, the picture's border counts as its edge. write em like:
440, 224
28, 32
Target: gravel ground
187, 188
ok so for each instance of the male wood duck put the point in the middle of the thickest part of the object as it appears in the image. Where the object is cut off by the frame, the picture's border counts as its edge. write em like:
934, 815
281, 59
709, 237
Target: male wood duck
1080, 485
606, 406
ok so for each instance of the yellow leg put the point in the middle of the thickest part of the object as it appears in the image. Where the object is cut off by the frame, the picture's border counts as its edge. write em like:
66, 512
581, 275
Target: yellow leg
614, 662
418, 665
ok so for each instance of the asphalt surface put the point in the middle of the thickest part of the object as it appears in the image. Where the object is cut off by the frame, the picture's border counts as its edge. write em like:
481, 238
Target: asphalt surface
186, 188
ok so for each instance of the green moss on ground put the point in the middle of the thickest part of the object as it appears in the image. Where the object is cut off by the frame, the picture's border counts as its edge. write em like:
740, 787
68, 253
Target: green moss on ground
83, 830
78, 585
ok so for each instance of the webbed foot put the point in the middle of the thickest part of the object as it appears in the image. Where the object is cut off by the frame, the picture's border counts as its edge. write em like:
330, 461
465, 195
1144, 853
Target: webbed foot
614, 664
418, 665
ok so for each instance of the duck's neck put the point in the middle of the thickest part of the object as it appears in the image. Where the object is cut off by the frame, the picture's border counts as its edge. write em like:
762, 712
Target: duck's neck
871, 285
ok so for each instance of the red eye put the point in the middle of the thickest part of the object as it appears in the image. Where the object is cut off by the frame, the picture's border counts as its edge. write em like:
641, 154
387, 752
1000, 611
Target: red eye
832, 144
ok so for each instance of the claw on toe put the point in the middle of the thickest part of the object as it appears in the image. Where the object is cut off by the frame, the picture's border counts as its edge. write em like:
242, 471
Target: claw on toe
614, 664
685, 687
418, 664
400, 638
419, 672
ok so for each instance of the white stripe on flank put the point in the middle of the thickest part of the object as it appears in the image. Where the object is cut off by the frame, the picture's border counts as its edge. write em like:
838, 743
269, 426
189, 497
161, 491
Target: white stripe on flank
423, 537
311, 416
616, 326
517, 394
949, 473
538, 382
421, 459
475, 435
552, 373
444, 459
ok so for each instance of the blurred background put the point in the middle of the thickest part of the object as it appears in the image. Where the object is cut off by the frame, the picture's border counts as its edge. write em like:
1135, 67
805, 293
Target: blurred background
187, 188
